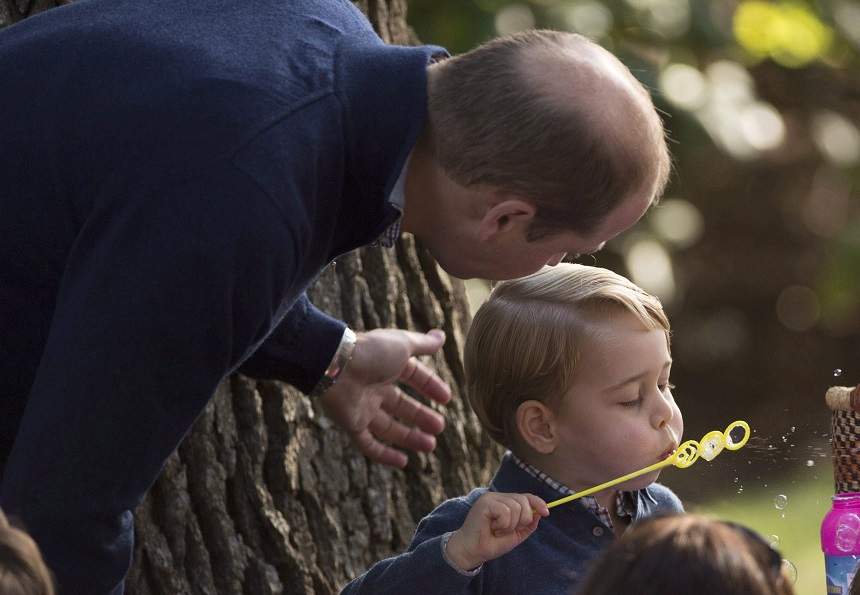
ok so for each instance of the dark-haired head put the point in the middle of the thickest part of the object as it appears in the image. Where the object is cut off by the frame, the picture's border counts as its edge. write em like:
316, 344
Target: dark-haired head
688, 554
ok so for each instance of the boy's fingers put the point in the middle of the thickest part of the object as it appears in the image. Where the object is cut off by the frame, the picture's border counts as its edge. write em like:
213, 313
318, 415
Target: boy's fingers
526, 515
538, 505
516, 507
500, 515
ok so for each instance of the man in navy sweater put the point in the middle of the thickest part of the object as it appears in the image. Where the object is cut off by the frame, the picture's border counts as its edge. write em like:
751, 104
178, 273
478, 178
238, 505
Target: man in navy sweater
173, 175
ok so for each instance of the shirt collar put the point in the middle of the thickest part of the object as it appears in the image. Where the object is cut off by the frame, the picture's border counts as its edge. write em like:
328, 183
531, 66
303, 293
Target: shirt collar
625, 502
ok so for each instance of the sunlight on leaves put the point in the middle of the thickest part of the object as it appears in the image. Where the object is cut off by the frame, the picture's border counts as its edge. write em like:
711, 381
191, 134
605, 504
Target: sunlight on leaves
789, 33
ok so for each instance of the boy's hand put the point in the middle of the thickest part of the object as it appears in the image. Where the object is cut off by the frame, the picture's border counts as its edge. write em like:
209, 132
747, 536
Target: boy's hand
496, 524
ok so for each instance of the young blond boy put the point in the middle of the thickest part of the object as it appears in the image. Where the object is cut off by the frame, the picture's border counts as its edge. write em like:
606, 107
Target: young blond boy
568, 369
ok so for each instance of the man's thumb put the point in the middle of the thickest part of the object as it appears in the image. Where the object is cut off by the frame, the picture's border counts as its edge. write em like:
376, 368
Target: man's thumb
427, 343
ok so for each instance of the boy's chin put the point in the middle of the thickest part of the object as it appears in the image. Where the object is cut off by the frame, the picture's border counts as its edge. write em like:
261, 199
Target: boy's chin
639, 483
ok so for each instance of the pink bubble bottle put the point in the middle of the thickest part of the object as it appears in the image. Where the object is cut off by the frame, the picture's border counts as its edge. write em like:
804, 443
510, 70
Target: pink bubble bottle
840, 529
840, 540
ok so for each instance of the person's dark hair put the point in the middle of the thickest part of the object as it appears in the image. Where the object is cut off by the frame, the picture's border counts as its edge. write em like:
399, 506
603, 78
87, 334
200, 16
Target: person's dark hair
22, 569
517, 114
688, 554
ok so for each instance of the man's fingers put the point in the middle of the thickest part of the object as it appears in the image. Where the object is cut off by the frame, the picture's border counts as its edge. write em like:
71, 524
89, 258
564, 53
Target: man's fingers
376, 451
425, 343
425, 381
387, 429
412, 413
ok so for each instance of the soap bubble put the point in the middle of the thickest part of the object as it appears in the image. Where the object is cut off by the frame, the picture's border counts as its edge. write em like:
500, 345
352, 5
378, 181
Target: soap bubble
780, 501
773, 541
837, 372
810, 463
789, 570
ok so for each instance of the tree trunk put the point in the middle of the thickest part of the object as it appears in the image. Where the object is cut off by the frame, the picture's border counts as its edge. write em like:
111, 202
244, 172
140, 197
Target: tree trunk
265, 495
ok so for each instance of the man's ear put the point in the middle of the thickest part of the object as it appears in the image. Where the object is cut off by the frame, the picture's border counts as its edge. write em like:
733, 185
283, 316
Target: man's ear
506, 215
536, 426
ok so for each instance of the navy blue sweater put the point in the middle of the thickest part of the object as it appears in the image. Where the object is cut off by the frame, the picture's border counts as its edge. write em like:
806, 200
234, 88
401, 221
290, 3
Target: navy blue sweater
552, 561
173, 174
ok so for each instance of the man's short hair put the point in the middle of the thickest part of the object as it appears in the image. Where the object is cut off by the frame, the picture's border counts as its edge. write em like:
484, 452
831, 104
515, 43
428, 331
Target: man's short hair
526, 339
494, 124
22, 569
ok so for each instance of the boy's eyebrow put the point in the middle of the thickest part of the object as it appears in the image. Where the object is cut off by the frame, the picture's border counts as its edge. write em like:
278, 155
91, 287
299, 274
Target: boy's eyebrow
635, 378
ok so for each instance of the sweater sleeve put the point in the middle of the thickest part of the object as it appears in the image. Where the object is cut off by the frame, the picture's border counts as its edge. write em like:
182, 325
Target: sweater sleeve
300, 349
422, 568
165, 291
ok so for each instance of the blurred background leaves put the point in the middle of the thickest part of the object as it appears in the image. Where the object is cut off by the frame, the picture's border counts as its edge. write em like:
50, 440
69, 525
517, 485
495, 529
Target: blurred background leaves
755, 248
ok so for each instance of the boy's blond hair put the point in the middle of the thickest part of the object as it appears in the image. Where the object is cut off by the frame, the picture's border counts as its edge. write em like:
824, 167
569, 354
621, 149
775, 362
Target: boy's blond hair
526, 339
22, 569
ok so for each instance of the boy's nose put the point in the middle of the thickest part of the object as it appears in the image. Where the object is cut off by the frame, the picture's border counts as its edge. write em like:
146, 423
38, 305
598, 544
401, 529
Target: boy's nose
663, 413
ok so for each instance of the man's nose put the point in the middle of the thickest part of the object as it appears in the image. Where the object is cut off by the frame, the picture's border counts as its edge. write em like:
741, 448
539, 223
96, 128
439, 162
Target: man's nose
554, 260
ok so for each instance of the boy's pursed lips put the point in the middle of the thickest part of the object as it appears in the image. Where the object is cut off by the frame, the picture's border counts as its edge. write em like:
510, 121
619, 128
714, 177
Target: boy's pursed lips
668, 452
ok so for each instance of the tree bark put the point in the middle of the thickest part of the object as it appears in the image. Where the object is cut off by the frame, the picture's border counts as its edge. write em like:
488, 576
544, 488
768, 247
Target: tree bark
265, 495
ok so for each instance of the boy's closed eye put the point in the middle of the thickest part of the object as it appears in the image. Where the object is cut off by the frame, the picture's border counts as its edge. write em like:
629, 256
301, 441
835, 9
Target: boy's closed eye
667, 386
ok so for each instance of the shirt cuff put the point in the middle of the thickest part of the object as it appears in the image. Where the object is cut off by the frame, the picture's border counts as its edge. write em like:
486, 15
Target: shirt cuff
338, 362
444, 544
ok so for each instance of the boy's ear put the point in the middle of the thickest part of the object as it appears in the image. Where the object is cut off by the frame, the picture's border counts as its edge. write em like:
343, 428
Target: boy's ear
504, 215
536, 426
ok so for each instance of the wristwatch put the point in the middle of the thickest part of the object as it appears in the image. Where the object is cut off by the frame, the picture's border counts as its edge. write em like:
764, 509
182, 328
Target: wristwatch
338, 362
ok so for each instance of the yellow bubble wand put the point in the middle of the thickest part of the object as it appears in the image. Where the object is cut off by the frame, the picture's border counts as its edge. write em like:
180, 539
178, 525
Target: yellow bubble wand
684, 456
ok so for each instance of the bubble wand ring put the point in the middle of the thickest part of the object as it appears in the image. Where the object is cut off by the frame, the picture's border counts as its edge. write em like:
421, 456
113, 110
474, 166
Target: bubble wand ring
684, 456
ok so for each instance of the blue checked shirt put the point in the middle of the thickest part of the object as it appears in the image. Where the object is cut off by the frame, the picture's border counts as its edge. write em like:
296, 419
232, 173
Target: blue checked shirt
625, 504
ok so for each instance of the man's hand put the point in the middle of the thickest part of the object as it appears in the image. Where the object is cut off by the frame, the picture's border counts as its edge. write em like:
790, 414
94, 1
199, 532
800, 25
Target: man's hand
367, 403
496, 524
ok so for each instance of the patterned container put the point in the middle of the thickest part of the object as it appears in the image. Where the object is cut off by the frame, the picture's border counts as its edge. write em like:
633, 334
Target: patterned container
840, 529
844, 403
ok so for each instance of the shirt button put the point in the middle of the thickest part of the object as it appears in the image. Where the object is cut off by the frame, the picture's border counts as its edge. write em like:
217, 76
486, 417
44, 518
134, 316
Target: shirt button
597, 531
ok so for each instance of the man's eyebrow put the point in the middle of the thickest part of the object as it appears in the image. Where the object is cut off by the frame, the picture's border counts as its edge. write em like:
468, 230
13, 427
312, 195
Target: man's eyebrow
633, 379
